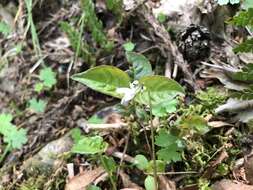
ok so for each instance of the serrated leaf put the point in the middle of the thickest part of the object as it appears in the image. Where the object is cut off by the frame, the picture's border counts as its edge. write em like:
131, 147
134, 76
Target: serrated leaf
5, 123
246, 46
243, 18
141, 162
48, 77
170, 153
196, 123
17, 138
104, 79
129, 46
38, 106
165, 139
149, 183
245, 75
90, 145
141, 65
159, 89
164, 108
160, 166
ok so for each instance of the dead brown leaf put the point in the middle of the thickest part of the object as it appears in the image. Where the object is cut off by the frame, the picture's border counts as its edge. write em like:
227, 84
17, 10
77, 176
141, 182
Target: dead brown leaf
81, 181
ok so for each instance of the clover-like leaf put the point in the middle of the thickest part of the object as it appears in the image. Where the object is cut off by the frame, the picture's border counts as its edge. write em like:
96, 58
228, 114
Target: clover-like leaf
48, 77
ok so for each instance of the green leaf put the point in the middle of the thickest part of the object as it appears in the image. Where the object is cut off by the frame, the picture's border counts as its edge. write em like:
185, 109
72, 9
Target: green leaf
76, 135
109, 164
95, 120
164, 108
38, 87
90, 145
160, 166
5, 124
165, 139
5, 29
246, 75
129, 46
149, 183
48, 77
141, 162
246, 46
161, 17
159, 88
93, 187
170, 153
17, 138
141, 65
104, 79
196, 123
38, 106
243, 18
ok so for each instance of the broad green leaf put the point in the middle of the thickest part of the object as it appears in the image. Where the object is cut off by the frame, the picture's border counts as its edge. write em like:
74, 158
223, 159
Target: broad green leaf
159, 89
246, 46
164, 108
13, 136
170, 153
48, 77
196, 123
5, 123
76, 135
38, 106
243, 18
165, 139
246, 75
17, 138
160, 166
129, 46
149, 183
95, 120
104, 79
109, 164
141, 65
141, 162
90, 145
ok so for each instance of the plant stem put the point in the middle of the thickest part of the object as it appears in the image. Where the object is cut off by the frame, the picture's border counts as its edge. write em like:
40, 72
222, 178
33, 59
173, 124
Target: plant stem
114, 187
6, 150
152, 142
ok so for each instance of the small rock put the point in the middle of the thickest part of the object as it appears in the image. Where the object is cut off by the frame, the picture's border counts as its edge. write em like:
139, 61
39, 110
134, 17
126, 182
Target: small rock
226, 184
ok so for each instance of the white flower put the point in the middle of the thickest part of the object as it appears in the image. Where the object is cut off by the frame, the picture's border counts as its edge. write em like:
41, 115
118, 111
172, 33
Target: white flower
129, 93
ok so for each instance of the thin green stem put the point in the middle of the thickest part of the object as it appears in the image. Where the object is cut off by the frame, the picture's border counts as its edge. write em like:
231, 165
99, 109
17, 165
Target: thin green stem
152, 142
6, 150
